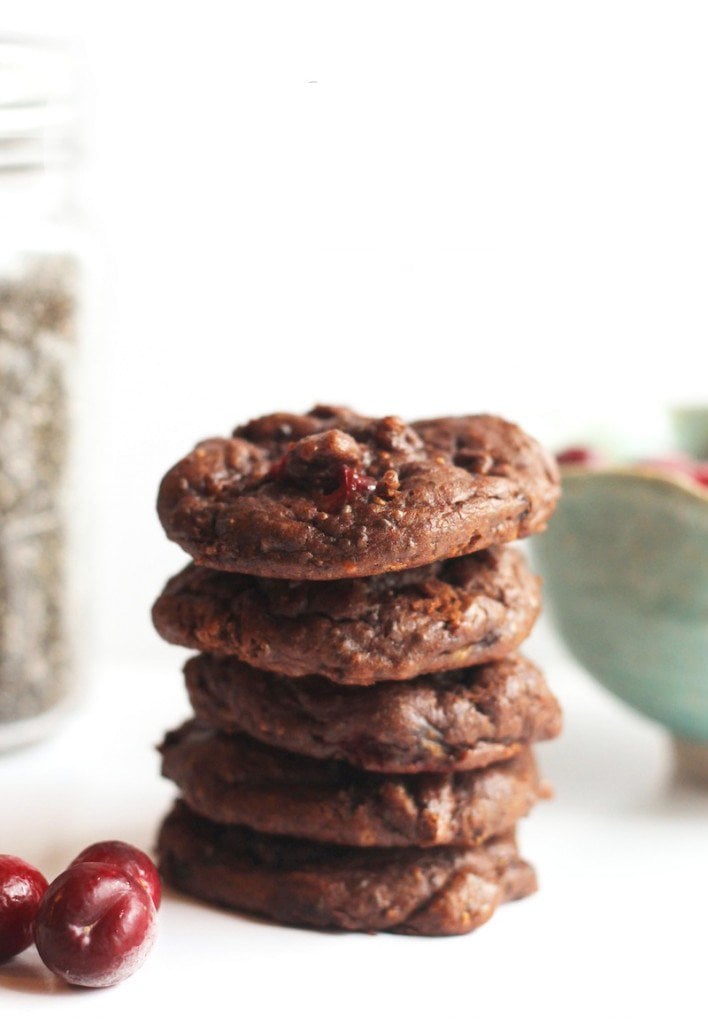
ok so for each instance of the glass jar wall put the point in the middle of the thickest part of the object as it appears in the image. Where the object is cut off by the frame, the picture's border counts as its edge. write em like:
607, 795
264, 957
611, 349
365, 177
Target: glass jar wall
39, 300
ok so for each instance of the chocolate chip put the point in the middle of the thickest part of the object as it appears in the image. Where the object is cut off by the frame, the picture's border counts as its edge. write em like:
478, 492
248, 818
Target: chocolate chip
316, 461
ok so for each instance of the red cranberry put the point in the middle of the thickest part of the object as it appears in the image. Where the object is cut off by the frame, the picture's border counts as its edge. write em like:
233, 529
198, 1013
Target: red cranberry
21, 890
95, 925
351, 482
578, 456
136, 864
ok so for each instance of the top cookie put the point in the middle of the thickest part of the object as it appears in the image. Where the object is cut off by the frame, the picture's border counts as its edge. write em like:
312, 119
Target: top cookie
333, 494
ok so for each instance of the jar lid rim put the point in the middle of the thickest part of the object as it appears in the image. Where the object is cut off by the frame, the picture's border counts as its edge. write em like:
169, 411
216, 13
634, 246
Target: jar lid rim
38, 100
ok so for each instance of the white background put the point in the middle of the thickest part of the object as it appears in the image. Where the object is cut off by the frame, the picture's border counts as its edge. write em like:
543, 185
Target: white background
409, 207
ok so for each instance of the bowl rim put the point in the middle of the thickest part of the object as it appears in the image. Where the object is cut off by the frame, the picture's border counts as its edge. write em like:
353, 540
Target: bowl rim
665, 477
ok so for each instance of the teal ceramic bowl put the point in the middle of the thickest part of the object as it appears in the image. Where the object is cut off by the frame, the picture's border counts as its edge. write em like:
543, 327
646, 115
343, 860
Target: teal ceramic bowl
625, 564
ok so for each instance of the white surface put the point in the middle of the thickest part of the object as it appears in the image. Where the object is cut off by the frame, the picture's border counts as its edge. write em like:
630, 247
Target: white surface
616, 933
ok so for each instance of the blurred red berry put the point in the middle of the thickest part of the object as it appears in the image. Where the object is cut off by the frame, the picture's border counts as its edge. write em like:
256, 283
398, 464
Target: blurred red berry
21, 890
129, 859
96, 925
578, 456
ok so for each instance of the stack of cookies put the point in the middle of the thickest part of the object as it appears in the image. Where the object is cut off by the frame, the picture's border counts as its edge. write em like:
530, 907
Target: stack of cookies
360, 751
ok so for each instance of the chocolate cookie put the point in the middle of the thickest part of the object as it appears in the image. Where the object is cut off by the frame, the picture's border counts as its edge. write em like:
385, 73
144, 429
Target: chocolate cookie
236, 780
446, 891
451, 721
333, 494
395, 626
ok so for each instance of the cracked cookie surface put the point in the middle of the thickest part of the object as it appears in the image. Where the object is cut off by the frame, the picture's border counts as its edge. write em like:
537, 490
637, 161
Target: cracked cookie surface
434, 618
332, 494
445, 891
446, 722
238, 781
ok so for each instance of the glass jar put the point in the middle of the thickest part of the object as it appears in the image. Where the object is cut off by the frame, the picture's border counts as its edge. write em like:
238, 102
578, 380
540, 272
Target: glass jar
39, 279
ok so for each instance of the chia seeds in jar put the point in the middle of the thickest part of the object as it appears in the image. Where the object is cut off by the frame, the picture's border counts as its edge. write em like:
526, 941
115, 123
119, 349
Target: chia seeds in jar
39, 276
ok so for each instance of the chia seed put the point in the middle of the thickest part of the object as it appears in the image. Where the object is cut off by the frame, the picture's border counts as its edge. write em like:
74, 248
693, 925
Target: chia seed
37, 336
